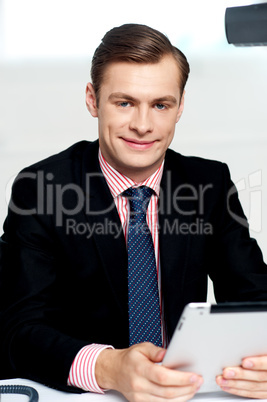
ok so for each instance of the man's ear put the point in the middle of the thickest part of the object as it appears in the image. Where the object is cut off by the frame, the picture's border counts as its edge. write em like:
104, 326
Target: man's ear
91, 100
181, 108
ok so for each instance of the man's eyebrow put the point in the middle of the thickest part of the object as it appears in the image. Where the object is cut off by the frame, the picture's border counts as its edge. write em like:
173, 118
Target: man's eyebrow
167, 98
122, 95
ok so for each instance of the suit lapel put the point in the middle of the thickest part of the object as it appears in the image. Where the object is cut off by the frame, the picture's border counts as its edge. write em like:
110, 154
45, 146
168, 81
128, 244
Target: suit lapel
174, 221
102, 215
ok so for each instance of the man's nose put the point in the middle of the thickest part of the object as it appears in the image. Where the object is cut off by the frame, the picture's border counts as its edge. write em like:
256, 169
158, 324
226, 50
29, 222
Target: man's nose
141, 121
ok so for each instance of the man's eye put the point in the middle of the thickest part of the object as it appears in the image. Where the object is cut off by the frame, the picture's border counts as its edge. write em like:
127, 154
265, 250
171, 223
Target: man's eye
160, 106
124, 104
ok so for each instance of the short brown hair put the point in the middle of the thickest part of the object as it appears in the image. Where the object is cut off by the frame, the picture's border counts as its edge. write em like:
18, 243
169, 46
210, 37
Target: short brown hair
134, 43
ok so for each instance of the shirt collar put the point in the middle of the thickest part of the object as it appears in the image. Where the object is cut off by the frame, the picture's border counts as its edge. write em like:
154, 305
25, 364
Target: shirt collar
118, 183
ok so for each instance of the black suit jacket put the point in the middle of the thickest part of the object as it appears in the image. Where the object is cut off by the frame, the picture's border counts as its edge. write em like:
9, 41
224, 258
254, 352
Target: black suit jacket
67, 268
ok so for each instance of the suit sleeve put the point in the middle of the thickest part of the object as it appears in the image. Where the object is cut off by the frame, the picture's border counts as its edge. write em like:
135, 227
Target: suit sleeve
34, 348
238, 269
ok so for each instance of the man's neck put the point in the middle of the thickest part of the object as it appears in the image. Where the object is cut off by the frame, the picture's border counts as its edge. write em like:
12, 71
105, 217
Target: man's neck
138, 175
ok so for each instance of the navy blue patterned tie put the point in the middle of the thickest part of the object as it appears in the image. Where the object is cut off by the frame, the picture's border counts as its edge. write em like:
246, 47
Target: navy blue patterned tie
143, 295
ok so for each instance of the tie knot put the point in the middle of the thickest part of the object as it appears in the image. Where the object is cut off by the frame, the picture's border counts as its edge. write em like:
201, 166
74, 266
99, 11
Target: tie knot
139, 198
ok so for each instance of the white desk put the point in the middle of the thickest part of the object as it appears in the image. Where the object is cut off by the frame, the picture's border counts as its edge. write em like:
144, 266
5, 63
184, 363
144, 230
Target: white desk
50, 395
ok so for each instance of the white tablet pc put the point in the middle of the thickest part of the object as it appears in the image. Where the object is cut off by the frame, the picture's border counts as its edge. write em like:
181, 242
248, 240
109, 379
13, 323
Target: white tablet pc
210, 337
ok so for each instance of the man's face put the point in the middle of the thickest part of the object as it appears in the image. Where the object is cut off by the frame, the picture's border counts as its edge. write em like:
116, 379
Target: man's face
139, 106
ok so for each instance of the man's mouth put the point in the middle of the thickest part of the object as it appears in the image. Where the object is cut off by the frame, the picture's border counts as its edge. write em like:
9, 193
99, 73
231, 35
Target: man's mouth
136, 144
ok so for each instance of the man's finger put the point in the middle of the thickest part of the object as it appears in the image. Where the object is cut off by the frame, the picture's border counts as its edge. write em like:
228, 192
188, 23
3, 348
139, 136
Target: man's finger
152, 352
255, 363
238, 373
173, 393
168, 377
254, 386
246, 393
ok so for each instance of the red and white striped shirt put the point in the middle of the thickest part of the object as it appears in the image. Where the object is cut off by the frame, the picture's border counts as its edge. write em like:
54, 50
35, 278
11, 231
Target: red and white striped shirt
82, 372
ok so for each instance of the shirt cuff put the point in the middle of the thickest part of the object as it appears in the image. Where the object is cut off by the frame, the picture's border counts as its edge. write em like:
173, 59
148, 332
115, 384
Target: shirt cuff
82, 371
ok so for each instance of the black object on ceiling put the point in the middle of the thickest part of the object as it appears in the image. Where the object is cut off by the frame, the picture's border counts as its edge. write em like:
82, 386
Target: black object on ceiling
247, 25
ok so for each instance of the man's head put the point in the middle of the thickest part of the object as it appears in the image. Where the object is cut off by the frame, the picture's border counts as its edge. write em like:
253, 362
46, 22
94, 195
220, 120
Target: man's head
135, 43
137, 95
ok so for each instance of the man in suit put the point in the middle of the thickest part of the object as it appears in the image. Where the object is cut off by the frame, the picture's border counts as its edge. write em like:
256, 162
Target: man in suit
66, 316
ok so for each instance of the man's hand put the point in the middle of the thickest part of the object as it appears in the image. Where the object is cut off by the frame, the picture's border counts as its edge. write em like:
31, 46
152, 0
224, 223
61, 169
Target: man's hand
248, 380
133, 372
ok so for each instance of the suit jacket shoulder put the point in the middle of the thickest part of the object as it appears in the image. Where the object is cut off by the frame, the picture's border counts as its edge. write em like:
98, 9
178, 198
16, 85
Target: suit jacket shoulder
194, 168
74, 153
